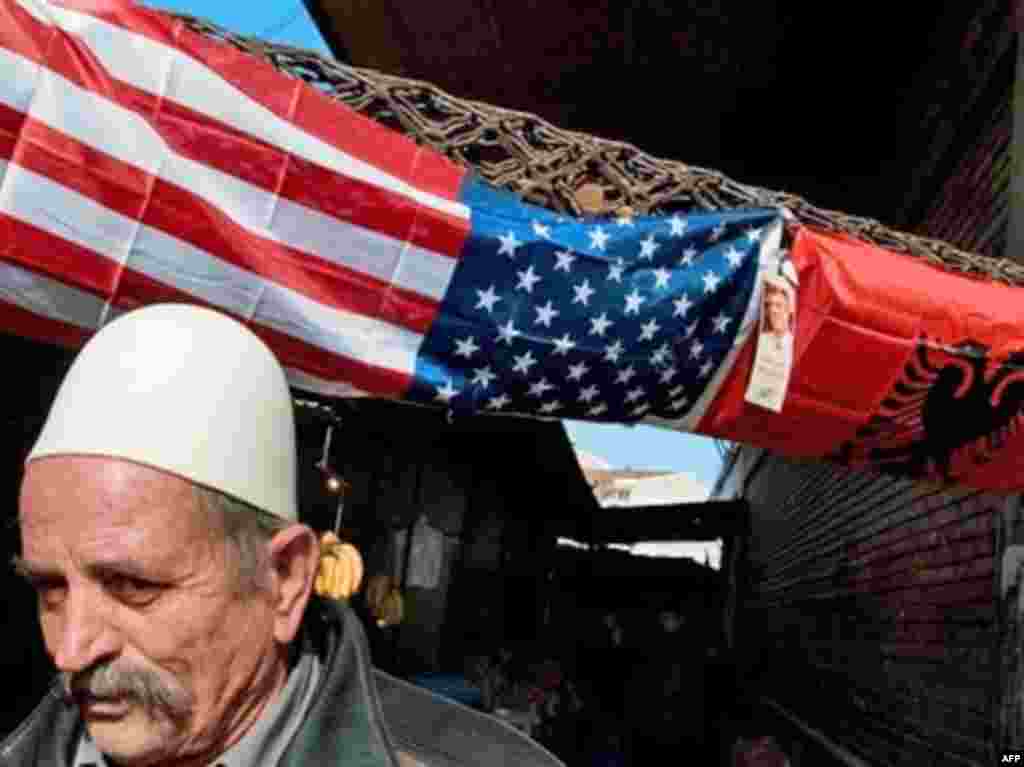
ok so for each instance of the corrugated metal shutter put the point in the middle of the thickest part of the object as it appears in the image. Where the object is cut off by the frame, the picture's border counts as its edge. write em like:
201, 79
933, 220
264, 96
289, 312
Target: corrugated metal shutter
872, 608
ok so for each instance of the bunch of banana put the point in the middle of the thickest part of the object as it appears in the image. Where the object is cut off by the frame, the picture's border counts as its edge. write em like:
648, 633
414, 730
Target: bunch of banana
384, 598
341, 568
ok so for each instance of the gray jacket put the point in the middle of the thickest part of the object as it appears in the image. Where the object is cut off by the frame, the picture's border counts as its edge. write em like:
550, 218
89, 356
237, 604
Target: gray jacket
360, 717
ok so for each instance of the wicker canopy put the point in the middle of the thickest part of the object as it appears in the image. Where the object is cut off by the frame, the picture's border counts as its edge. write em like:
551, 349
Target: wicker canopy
573, 172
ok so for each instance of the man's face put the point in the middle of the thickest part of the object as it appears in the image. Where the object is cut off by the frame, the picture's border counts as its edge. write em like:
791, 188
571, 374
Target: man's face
777, 312
139, 609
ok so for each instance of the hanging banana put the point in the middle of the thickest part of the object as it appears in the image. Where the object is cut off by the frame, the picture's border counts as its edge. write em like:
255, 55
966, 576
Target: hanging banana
340, 572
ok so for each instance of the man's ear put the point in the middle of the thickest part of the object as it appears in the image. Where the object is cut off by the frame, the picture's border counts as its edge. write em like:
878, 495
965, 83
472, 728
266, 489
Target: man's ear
295, 557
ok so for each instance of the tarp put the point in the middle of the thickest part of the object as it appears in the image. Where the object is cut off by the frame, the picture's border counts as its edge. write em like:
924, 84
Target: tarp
142, 162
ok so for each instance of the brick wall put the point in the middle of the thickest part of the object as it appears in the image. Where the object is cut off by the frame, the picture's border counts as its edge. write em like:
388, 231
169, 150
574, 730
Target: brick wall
871, 611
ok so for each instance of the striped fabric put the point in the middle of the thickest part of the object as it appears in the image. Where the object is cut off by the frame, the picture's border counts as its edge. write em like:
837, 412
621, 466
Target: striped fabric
141, 162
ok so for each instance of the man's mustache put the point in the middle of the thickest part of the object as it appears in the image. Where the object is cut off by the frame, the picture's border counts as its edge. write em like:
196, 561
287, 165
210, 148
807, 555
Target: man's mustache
120, 680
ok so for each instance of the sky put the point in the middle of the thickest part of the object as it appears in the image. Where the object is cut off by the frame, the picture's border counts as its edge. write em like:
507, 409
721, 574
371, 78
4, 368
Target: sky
639, 447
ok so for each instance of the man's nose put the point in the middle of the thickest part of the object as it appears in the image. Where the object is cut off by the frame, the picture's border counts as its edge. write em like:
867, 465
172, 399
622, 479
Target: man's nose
84, 634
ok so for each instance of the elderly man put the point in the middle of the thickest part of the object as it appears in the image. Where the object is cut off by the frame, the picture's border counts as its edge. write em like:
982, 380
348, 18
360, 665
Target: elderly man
159, 526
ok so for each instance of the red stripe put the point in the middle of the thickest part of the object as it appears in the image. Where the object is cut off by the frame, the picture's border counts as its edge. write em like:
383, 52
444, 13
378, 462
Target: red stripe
125, 189
25, 324
215, 144
135, 289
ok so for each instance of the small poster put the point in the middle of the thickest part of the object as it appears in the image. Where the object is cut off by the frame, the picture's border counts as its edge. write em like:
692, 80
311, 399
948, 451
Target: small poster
773, 359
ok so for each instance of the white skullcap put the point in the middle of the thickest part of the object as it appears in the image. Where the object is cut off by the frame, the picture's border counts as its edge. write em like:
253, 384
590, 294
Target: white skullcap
185, 390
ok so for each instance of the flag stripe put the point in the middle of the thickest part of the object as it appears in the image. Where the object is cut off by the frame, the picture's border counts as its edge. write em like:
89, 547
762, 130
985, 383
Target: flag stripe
124, 136
125, 190
101, 234
221, 146
42, 308
258, 100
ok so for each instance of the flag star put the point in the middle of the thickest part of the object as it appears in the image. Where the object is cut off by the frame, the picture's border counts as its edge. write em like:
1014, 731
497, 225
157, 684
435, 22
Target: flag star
524, 362
598, 325
734, 257
483, 376
678, 226
527, 279
564, 345
691, 329
647, 247
551, 407
661, 277
705, 369
668, 374
717, 232
682, 304
721, 322
598, 409
634, 394
588, 394
648, 330
466, 347
488, 298
509, 244
545, 314
507, 332
612, 352
711, 281
624, 376
696, 349
565, 259
541, 230
583, 293
576, 372
688, 256
633, 301
497, 403
598, 239
679, 404
753, 235
625, 220
640, 409
446, 393
615, 272
540, 387
675, 391
658, 358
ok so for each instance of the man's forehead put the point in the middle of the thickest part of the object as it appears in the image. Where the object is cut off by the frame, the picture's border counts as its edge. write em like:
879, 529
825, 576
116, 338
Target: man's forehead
96, 490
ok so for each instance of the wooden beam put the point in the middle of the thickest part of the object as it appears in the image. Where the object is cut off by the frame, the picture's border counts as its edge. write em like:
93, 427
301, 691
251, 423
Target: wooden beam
369, 32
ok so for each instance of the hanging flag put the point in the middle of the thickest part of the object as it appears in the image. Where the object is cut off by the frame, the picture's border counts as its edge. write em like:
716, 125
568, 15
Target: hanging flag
899, 367
143, 162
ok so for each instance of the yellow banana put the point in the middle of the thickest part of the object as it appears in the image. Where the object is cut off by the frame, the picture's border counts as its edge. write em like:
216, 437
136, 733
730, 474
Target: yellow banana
340, 571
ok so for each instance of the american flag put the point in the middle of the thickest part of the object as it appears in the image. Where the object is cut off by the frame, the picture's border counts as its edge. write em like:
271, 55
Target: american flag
142, 162
620, 319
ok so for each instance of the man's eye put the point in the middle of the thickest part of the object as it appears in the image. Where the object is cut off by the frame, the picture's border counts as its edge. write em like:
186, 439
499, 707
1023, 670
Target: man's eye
133, 591
51, 593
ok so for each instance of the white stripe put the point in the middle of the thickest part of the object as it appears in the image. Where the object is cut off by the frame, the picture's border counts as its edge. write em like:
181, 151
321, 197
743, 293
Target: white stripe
127, 136
48, 297
56, 300
170, 73
300, 379
47, 205
770, 243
